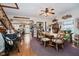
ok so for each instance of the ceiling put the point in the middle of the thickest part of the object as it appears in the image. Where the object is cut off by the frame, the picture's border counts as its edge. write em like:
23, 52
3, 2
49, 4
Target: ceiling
33, 9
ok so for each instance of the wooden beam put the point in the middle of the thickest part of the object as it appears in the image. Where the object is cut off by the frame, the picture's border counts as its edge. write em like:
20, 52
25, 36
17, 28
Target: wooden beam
3, 24
19, 23
11, 6
21, 17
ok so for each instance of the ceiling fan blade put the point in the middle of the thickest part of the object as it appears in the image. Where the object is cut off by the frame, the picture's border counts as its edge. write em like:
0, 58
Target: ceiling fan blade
51, 12
52, 9
41, 13
21, 17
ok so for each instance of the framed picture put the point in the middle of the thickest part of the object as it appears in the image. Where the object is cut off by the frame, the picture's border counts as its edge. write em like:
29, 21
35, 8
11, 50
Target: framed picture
39, 25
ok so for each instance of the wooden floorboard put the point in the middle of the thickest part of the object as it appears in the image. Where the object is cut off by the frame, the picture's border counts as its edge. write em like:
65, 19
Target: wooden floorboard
23, 51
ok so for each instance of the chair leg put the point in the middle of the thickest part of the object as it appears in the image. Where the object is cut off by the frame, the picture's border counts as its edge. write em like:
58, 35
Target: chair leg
62, 46
18, 50
57, 48
45, 44
6, 53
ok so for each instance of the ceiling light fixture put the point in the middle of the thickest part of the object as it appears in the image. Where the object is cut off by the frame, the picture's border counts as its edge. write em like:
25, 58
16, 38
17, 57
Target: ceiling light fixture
47, 12
66, 16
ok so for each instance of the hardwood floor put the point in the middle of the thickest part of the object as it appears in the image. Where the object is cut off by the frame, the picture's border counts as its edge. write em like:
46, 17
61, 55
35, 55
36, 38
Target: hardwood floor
23, 51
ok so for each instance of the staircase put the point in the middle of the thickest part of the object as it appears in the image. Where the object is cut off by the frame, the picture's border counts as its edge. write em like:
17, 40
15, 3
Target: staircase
5, 20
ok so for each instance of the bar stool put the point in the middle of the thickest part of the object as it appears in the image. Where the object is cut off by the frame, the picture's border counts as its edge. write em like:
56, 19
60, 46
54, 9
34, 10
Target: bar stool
58, 42
45, 40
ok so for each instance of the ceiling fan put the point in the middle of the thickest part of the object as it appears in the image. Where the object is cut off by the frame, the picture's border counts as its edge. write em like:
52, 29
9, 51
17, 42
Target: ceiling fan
47, 12
21, 17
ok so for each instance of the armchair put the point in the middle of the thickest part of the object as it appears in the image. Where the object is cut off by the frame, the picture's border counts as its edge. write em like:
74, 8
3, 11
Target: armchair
11, 42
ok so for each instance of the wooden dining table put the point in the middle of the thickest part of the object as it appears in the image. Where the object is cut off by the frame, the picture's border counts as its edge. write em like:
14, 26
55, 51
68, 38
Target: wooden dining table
48, 35
53, 39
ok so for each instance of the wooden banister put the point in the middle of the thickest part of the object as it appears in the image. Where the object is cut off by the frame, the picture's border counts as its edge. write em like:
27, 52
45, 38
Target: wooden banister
7, 19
